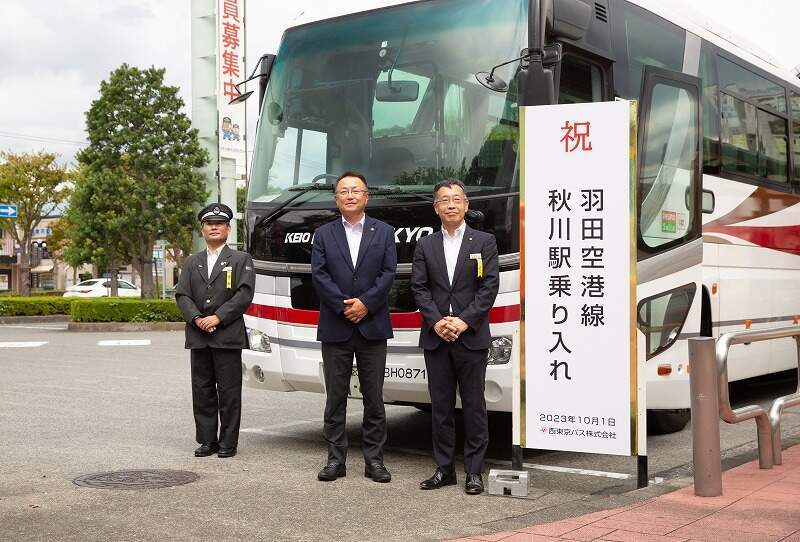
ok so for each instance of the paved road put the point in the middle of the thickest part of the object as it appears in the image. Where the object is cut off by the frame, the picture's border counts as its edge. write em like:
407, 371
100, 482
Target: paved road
81, 403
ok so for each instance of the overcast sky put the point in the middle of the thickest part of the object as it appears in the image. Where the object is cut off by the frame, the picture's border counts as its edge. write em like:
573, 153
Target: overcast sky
53, 54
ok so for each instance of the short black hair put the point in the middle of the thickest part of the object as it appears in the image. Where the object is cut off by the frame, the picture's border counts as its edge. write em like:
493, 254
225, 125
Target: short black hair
351, 173
447, 183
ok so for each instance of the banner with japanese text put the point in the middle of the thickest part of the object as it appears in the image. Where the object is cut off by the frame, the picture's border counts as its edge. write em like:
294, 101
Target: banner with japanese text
577, 364
230, 70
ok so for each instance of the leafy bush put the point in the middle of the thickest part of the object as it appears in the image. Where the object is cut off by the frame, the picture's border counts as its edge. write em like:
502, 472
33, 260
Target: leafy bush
34, 306
34, 293
125, 310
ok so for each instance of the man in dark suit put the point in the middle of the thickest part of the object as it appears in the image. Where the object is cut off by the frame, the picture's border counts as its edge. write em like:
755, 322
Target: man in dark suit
215, 288
353, 262
454, 279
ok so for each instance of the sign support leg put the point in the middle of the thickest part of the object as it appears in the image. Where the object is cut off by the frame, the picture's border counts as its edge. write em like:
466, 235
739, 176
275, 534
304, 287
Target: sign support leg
641, 470
516, 457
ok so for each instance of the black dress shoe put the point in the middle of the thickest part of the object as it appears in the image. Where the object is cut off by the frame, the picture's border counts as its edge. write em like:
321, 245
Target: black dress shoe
206, 449
332, 471
439, 479
378, 472
226, 452
474, 484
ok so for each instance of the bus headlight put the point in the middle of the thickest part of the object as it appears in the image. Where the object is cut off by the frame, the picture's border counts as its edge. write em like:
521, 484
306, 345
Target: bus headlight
500, 351
258, 341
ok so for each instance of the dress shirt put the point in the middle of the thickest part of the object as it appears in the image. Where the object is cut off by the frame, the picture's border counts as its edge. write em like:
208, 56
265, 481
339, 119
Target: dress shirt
452, 245
353, 233
212, 258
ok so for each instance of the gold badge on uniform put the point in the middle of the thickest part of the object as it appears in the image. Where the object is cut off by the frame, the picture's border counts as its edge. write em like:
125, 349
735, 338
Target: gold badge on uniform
479, 259
228, 276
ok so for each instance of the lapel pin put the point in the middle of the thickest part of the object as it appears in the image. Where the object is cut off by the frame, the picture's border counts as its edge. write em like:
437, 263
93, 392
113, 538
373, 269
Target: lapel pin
470, 238
372, 229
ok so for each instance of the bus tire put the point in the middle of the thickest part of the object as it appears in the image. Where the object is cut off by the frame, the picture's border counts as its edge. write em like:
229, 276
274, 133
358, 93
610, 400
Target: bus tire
662, 422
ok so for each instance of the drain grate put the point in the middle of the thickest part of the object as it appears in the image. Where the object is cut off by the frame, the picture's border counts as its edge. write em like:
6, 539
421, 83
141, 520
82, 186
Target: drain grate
136, 479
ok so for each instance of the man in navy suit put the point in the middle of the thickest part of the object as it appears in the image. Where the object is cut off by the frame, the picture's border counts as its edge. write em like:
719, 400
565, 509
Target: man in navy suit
455, 278
353, 263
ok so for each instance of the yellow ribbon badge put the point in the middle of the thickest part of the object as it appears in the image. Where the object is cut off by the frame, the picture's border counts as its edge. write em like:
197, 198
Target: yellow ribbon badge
228, 276
479, 259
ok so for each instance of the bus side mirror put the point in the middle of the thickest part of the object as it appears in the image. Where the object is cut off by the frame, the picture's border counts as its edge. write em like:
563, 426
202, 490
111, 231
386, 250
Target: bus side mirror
709, 202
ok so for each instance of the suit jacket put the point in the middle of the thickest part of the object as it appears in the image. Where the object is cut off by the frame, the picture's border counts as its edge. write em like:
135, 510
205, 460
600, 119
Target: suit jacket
199, 295
470, 296
336, 278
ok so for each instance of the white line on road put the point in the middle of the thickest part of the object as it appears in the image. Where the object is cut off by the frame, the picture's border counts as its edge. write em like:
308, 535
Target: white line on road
36, 327
22, 344
133, 342
567, 470
585, 472
286, 425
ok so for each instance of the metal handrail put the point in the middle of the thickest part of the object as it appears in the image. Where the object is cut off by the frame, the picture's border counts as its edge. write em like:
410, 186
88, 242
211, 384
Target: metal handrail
708, 360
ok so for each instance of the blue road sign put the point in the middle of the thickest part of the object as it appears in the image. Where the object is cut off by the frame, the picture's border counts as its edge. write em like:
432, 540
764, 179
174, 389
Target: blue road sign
8, 210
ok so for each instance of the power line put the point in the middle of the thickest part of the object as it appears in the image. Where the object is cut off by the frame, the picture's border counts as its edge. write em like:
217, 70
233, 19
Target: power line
42, 139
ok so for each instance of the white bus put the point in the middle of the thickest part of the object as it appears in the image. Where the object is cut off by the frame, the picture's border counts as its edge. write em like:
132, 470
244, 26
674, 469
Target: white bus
392, 92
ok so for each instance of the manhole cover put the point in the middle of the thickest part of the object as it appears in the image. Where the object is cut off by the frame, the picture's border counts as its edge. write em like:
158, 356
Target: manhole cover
136, 479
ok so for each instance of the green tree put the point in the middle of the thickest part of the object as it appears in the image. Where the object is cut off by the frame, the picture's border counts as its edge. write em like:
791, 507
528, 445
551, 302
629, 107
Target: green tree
97, 221
241, 204
139, 136
37, 185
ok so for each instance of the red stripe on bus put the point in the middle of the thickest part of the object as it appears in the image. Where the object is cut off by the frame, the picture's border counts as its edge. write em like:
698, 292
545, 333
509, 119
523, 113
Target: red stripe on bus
400, 320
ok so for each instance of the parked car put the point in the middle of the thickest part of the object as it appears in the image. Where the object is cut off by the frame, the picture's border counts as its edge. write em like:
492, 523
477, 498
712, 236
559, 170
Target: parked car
102, 288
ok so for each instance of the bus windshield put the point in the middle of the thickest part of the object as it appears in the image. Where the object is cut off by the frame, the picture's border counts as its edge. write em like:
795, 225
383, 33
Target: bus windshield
392, 94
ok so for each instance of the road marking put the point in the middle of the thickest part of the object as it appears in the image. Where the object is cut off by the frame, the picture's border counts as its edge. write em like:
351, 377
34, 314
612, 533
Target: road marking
132, 342
585, 472
567, 470
35, 327
21, 344
285, 425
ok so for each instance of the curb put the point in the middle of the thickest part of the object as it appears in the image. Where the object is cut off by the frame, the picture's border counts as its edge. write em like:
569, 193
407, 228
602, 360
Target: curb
51, 318
126, 326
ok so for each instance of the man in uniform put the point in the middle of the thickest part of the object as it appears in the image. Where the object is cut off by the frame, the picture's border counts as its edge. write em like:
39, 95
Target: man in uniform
455, 278
353, 262
215, 288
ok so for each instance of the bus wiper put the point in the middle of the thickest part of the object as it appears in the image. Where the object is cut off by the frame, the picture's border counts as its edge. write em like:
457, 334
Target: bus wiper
300, 191
395, 191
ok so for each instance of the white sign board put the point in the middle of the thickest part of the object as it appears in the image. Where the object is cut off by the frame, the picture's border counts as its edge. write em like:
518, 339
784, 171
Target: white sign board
230, 70
578, 374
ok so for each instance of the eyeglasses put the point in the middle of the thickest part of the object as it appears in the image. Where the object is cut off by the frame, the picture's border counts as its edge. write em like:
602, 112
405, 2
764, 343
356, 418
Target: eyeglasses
343, 193
447, 201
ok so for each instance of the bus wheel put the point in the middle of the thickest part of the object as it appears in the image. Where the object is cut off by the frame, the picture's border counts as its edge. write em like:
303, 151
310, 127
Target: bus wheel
662, 422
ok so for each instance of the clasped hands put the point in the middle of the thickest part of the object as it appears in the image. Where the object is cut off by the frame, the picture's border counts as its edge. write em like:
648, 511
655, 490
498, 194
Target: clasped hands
355, 310
450, 327
208, 323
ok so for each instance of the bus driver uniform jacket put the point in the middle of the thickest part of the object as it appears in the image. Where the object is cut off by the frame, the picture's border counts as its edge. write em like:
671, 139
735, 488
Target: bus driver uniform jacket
227, 293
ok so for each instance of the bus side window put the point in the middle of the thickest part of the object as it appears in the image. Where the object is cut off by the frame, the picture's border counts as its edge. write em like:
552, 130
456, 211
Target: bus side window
711, 115
795, 100
580, 81
754, 130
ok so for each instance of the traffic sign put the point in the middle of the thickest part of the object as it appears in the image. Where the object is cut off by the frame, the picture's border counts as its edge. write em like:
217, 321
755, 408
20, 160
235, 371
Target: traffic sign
8, 210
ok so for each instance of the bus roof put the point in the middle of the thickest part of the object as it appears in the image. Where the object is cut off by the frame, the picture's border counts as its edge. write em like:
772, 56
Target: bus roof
704, 27
679, 13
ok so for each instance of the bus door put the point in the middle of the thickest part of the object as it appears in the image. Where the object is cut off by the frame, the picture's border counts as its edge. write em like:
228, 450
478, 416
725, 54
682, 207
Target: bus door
670, 246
